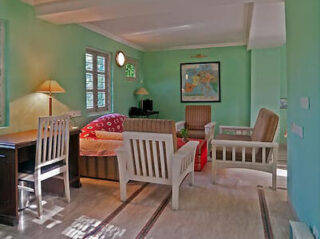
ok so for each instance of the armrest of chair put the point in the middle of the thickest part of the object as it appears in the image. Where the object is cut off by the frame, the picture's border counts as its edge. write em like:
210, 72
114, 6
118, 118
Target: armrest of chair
184, 157
244, 145
209, 130
180, 125
237, 130
122, 162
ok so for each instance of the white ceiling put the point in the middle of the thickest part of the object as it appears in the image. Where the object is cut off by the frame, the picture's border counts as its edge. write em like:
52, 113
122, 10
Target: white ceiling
174, 24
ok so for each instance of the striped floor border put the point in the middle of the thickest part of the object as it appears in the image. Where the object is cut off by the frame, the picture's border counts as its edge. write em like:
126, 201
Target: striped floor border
268, 234
109, 218
147, 227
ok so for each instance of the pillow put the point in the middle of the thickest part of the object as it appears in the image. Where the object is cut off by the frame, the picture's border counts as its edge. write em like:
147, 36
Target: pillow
109, 122
108, 135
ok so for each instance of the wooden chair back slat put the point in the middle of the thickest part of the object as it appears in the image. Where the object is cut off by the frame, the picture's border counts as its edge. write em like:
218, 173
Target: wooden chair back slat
143, 158
149, 159
150, 154
53, 140
155, 158
161, 154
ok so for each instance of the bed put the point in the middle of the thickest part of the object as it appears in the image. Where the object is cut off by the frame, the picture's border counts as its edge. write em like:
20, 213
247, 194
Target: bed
98, 141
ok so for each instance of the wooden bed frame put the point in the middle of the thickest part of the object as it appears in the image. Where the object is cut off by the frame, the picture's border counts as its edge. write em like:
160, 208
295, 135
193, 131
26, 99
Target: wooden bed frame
100, 167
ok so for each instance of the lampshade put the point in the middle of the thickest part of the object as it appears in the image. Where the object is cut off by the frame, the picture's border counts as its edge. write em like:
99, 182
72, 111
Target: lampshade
142, 91
50, 86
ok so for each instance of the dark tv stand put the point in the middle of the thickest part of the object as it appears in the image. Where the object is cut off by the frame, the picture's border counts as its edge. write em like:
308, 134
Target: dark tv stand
143, 114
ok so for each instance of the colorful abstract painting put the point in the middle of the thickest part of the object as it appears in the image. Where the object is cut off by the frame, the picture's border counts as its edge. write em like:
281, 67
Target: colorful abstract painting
200, 82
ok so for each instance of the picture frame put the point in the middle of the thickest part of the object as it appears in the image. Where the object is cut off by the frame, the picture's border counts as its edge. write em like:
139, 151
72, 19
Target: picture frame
200, 82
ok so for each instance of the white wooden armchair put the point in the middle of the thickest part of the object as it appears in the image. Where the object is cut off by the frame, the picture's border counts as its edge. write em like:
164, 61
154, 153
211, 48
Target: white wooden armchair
245, 147
149, 154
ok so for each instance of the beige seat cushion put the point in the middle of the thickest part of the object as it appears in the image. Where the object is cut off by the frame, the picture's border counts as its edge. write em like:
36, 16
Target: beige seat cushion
196, 134
152, 126
197, 116
233, 137
265, 126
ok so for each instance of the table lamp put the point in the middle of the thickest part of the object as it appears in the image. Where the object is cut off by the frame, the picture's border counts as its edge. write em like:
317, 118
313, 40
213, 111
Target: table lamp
142, 91
50, 87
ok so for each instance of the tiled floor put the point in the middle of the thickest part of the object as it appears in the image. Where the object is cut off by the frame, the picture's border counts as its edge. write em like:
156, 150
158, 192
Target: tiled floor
233, 208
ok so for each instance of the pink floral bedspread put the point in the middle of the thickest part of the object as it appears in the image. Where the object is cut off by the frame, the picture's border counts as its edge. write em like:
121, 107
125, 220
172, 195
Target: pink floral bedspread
90, 145
100, 147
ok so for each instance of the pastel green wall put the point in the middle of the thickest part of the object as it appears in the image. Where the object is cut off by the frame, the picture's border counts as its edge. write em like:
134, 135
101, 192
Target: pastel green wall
303, 61
162, 79
37, 50
268, 83
265, 80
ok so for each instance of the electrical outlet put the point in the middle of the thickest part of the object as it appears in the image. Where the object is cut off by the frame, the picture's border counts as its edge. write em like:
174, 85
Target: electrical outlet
315, 232
74, 113
305, 103
297, 129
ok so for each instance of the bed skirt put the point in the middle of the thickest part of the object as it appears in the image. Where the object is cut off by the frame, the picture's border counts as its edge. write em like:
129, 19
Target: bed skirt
101, 167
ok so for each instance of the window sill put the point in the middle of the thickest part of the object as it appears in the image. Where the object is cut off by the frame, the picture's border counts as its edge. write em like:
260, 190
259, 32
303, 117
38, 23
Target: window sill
99, 113
131, 78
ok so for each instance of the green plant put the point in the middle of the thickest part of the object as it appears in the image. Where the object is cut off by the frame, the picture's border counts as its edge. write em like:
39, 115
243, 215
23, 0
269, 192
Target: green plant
184, 133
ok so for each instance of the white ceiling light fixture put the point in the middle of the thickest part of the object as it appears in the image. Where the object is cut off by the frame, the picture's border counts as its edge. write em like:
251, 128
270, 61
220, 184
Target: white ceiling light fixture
120, 58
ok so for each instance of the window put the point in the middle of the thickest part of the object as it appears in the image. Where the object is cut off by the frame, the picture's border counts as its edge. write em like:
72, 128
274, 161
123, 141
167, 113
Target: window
131, 69
98, 91
2, 92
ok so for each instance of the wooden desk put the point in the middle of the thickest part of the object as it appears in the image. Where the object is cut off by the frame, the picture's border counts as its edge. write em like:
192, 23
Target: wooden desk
20, 147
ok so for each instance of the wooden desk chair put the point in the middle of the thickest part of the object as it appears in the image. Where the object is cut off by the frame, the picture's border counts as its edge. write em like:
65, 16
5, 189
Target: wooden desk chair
198, 123
52, 153
149, 154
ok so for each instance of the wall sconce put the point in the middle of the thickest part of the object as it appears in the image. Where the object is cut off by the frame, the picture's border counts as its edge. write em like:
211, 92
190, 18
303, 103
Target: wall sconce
120, 58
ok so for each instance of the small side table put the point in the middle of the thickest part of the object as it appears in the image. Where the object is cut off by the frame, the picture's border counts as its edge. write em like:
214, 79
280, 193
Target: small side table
145, 114
201, 153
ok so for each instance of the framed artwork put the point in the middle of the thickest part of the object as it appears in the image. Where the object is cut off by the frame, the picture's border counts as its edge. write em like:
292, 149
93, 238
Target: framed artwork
200, 82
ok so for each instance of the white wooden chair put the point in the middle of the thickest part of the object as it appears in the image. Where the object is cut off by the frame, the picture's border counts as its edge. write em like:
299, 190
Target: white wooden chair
148, 155
251, 148
52, 151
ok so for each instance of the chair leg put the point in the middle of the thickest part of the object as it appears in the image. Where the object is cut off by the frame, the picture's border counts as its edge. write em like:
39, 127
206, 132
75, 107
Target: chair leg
214, 171
274, 169
274, 181
191, 177
123, 191
38, 193
66, 185
175, 197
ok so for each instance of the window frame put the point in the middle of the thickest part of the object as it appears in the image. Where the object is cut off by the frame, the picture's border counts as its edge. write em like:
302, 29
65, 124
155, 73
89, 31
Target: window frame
107, 76
2, 73
135, 63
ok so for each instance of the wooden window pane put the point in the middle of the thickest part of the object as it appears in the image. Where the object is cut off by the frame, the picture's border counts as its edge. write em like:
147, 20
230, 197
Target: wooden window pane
89, 62
101, 82
101, 99
89, 81
101, 64
89, 100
